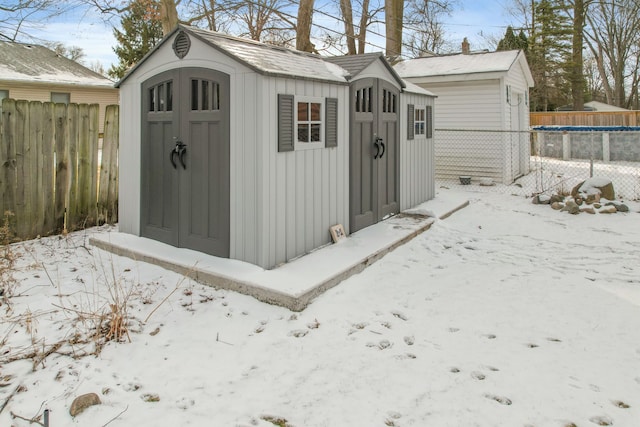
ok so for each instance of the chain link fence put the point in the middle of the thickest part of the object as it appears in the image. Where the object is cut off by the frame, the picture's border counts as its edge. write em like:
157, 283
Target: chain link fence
539, 161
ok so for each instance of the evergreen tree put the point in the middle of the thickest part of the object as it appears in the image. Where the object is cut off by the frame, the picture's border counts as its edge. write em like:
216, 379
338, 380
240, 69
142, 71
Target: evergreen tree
141, 30
550, 56
512, 42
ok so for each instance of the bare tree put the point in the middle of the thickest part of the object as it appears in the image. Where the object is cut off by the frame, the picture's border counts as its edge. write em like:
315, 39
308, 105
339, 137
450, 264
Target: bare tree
261, 18
356, 34
349, 32
96, 66
73, 53
303, 26
19, 17
612, 34
168, 15
394, 11
425, 20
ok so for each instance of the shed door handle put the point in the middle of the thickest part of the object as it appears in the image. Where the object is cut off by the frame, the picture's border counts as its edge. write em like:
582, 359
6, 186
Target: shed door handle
183, 151
378, 143
179, 150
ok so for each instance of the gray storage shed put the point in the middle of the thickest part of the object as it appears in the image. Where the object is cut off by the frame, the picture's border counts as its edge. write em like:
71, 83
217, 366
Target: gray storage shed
250, 151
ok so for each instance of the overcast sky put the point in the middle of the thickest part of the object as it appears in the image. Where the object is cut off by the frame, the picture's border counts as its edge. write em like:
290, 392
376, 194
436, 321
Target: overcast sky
475, 20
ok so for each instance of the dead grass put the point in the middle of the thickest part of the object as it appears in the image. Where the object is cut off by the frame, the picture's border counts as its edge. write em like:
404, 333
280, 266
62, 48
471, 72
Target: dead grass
8, 259
276, 421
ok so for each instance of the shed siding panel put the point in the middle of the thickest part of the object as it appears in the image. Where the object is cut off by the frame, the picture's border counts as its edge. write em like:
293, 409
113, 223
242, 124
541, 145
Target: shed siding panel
467, 105
307, 189
417, 183
516, 78
129, 161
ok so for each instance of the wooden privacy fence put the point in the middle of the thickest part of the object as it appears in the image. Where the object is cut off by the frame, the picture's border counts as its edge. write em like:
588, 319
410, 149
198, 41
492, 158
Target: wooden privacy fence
54, 176
585, 118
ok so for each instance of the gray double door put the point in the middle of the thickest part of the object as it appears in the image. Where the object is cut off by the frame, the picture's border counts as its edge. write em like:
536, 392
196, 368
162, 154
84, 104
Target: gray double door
373, 181
185, 160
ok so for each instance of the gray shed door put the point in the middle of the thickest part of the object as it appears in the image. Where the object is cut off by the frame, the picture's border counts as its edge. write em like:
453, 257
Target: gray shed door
373, 180
185, 160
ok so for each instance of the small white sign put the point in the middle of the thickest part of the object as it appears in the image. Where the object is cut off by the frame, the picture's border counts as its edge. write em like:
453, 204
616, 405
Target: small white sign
337, 233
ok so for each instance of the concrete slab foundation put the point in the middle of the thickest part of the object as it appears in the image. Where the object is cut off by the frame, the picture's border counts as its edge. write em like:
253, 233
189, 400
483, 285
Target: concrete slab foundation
294, 284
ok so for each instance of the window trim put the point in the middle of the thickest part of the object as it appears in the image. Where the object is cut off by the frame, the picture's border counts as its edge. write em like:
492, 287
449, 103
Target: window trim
300, 145
422, 134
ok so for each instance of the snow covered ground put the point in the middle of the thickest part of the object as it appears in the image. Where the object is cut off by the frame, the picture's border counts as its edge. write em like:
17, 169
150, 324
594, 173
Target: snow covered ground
504, 314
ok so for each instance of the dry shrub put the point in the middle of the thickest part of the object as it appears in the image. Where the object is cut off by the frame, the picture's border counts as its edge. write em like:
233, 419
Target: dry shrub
7, 259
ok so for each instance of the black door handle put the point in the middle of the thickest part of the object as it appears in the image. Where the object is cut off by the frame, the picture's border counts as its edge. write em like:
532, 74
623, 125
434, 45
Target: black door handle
378, 143
171, 154
183, 151
179, 150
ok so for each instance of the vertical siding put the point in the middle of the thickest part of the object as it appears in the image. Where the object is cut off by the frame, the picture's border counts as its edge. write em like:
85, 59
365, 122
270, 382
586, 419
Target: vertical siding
517, 80
467, 105
417, 166
300, 193
129, 160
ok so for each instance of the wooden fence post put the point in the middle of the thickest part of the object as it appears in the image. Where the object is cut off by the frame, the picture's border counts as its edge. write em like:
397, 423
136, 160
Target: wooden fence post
48, 169
8, 177
108, 192
33, 178
24, 208
86, 167
73, 207
94, 141
62, 164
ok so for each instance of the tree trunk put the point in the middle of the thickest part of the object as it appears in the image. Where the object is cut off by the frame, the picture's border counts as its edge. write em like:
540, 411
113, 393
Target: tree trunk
362, 33
393, 10
577, 76
347, 16
303, 28
168, 15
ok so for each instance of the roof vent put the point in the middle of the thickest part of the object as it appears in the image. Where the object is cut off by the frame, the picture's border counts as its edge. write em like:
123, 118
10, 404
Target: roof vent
181, 45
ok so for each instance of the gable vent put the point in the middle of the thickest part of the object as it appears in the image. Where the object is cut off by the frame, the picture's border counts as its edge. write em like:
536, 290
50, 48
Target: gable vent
181, 45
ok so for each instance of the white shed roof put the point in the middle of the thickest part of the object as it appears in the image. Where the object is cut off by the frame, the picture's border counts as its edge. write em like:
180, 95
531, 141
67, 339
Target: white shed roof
460, 64
270, 59
413, 88
260, 57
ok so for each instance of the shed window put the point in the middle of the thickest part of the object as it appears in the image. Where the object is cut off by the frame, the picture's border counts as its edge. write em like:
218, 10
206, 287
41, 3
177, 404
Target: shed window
363, 100
389, 100
419, 122
60, 97
161, 97
309, 123
3, 94
306, 123
205, 95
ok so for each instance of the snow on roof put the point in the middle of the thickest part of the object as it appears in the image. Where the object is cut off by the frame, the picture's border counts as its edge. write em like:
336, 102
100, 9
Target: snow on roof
36, 64
445, 65
601, 106
274, 60
413, 88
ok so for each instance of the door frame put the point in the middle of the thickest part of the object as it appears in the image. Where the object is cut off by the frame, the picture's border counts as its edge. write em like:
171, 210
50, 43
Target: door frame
361, 154
174, 192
